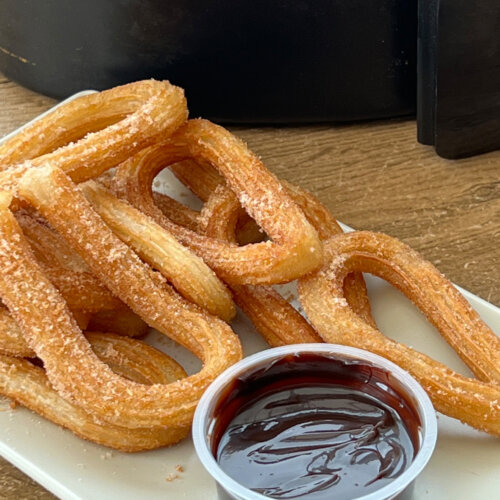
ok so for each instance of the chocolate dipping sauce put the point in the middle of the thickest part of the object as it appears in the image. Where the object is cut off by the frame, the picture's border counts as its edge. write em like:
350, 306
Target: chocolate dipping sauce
316, 427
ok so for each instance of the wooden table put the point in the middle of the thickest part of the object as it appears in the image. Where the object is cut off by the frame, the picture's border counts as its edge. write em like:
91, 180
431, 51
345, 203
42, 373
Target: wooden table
371, 176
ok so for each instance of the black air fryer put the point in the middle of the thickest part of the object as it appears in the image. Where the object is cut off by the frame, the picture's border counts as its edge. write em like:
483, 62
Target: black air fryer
239, 60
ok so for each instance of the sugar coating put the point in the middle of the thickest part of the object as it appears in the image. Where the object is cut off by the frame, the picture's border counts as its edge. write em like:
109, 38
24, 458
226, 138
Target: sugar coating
473, 401
71, 366
281, 259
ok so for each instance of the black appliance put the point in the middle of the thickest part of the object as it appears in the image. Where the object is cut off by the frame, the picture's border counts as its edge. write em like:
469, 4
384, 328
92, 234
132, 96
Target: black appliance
266, 61
459, 76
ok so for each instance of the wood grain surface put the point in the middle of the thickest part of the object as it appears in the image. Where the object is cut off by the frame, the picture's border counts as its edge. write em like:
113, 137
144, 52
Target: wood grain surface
371, 176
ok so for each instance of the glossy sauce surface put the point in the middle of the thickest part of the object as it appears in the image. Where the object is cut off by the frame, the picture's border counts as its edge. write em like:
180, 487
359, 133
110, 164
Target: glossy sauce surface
317, 428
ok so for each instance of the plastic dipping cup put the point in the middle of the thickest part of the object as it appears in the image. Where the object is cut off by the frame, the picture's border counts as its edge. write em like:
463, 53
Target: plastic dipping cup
206, 414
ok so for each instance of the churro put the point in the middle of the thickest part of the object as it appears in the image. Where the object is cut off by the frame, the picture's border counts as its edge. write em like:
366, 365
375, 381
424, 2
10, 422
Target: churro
475, 402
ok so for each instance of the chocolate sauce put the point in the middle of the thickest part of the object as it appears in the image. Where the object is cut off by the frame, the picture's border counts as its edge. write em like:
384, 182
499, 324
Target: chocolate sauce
316, 427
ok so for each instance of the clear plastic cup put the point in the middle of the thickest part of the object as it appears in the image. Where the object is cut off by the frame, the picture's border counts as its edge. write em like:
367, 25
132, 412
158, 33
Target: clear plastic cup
401, 487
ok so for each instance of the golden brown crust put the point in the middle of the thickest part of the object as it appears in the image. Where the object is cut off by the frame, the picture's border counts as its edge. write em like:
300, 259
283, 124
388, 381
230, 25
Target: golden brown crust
49, 248
28, 385
52, 333
273, 317
12, 342
295, 248
84, 270
67, 271
203, 180
176, 212
222, 217
121, 321
89, 135
474, 402
187, 272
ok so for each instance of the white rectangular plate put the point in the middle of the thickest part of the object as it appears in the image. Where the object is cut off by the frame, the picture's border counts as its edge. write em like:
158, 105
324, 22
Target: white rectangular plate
466, 463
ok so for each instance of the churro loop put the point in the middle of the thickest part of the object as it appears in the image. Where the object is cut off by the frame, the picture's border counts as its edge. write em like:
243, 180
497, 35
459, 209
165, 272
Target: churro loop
93, 133
28, 385
52, 333
474, 402
295, 248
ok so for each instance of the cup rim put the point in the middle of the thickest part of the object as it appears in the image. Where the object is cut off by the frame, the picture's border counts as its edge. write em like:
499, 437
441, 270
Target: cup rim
207, 403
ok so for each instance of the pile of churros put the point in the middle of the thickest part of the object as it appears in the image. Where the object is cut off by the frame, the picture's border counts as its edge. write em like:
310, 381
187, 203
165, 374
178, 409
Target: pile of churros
91, 258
